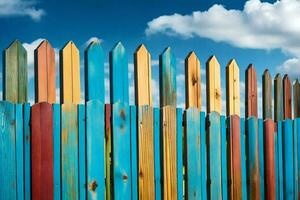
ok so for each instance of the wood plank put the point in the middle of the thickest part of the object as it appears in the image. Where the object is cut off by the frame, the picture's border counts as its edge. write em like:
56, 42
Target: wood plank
253, 172
267, 95
82, 154
95, 149
27, 151
288, 156
157, 150
203, 155
133, 152
232, 88
169, 157
287, 97
118, 75
179, 155
94, 72
214, 158
279, 161
44, 72
167, 78
69, 74
213, 86
192, 81
234, 156
15, 73
19, 151
146, 152
243, 159
69, 152
296, 89
108, 152
224, 158
251, 92
193, 154
121, 151
278, 98
269, 151
143, 77
8, 171
261, 158
42, 151
56, 151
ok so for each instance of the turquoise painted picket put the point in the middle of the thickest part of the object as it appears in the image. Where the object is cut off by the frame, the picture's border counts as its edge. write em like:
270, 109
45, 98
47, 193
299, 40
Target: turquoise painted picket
203, 155
243, 159
179, 144
279, 161
261, 158
224, 158
56, 151
82, 151
157, 172
27, 157
133, 152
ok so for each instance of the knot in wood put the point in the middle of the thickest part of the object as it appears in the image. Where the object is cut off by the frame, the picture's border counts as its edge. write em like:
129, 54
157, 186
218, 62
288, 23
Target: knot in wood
93, 185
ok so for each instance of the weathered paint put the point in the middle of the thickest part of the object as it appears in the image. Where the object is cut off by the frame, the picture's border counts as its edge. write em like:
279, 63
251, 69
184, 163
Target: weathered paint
261, 158
157, 148
133, 153
108, 152
118, 75
27, 151
14, 73
179, 155
193, 154
19, 151
44, 73
288, 156
8, 172
232, 88
94, 72
42, 151
269, 159
253, 168
234, 156
167, 78
146, 153
296, 89
251, 92
287, 98
278, 98
214, 158
121, 143
56, 151
267, 95
69, 152
224, 158
95, 149
82, 158
213, 86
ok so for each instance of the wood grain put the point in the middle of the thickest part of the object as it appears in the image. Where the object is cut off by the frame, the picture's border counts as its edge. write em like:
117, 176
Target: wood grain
42, 151
267, 95
70, 74
143, 77
108, 152
232, 88
44, 72
251, 92
278, 98
192, 81
213, 86
169, 157
296, 89
15, 73
167, 78
287, 98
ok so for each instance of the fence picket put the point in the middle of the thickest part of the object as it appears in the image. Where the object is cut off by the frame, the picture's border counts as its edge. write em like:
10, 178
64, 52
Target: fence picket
232, 88
251, 92
157, 153
267, 95
204, 155
82, 154
287, 98
133, 153
27, 150
296, 99
179, 153
108, 152
57, 150
278, 98
296, 162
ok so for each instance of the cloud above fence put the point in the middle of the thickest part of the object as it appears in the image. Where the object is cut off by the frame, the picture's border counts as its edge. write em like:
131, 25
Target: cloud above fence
21, 8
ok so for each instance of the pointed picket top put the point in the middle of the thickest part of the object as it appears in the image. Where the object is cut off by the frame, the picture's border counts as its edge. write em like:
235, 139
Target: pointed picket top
15, 73
44, 71
232, 88
278, 98
192, 81
267, 95
296, 99
213, 86
119, 90
143, 78
251, 92
70, 74
287, 97
94, 72
167, 73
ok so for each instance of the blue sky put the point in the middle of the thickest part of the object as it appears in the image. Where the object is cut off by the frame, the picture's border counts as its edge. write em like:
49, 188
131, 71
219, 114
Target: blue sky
265, 33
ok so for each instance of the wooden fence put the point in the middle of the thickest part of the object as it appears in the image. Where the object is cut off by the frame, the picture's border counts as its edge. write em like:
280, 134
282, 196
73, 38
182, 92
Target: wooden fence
120, 151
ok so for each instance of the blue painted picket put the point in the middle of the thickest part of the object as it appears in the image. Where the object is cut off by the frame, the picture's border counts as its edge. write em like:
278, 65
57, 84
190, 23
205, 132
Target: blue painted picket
19, 150
133, 152
243, 159
82, 152
279, 161
27, 135
261, 158
276, 162
288, 164
179, 138
56, 151
203, 156
214, 156
157, 174
224, 157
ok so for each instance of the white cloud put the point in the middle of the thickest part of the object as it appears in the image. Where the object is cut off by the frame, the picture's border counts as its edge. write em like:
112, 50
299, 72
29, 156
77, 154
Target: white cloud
290, 67
92, 39
21, 8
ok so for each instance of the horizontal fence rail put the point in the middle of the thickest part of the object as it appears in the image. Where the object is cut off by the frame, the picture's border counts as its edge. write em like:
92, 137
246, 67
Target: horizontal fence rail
94, 150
